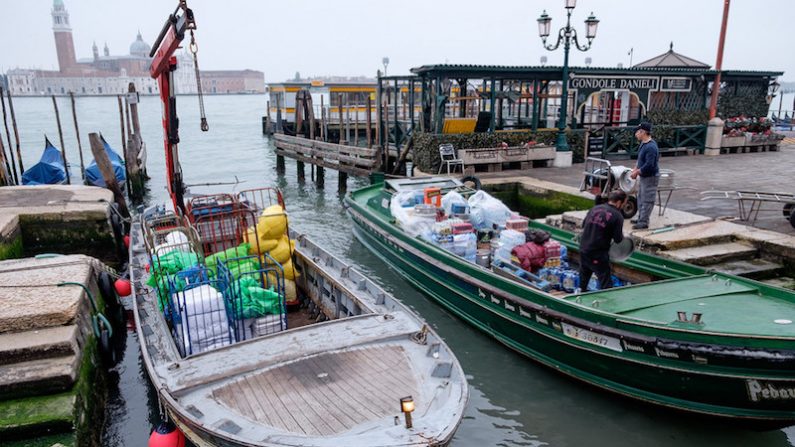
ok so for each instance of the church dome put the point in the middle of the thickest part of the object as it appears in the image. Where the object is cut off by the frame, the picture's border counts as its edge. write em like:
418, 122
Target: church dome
139, 47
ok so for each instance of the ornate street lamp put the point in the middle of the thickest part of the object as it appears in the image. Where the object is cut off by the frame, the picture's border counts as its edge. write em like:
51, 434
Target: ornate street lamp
385, 61
567, 35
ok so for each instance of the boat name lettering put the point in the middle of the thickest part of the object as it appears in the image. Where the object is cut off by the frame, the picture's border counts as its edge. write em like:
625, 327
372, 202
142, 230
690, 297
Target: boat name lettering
481, 294
494, 300
541, 320
557, 326
758, 391
510, 307
384, 203
524, 313
591, 337
631, 347
700, 360
667, 354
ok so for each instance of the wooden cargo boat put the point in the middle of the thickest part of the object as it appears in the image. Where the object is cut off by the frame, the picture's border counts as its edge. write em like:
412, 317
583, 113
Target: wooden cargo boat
329, 375
679, 336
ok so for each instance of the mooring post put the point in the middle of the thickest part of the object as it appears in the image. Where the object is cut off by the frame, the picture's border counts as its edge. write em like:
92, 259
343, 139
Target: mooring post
279, 164
124, 148
5, 169
13, 170
339, 109
323, 130
60, 136
342, 181
77, 134
103, 163
16, 134
368, 132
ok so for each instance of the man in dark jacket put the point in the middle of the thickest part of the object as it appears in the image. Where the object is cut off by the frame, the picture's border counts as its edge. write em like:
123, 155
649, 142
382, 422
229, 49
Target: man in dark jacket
648, 169
603, 223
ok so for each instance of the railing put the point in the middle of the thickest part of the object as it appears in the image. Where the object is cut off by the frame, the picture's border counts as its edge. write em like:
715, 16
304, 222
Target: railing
620, 141
349, 159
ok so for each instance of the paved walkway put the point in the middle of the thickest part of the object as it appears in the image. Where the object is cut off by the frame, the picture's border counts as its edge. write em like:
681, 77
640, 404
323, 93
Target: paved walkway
762, 171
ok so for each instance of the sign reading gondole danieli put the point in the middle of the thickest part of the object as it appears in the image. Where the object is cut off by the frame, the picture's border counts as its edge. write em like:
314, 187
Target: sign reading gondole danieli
614, 83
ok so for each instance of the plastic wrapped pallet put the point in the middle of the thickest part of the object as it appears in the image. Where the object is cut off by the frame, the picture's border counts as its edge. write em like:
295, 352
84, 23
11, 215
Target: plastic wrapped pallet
204, 321
508, 240
406, 218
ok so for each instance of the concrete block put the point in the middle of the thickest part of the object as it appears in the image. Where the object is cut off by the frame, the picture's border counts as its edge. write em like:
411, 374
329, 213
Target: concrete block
30, 297
38, 377
711, 254
562, 159
750, 268
39, 344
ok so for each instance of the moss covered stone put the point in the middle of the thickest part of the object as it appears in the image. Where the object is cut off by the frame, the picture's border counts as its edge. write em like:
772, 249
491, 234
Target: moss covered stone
536, 204
11, 249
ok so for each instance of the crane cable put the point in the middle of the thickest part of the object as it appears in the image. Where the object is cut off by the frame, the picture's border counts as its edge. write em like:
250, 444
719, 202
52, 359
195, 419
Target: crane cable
194, 49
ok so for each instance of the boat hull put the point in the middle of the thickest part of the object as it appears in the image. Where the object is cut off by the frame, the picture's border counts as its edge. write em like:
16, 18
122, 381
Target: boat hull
632, 365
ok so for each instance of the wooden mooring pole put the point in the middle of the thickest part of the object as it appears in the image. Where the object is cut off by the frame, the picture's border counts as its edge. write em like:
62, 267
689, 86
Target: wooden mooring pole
103, 163
126, 153
77, 134
60, 136
16, 134
368, 132
5, 168
13, 170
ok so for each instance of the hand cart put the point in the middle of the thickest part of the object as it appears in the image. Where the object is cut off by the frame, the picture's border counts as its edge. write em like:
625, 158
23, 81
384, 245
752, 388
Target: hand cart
750, 202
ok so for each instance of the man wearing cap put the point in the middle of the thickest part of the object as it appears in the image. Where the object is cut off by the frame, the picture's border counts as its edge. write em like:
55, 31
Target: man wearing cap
648, 169
602, 225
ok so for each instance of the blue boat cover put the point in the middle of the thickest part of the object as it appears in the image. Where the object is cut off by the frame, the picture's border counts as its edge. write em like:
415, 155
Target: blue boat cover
94, 177
48, 171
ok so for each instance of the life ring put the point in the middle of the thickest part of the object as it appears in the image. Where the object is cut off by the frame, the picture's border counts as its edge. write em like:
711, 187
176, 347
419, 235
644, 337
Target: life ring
472, 179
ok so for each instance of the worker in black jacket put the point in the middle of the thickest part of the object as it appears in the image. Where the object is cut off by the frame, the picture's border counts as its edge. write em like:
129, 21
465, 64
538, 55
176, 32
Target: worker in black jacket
603, 223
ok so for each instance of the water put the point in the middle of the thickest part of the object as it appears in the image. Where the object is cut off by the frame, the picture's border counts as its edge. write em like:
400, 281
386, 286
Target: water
513, 401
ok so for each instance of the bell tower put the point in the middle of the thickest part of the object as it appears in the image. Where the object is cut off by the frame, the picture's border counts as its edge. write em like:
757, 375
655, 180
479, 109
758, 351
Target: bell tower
64, 45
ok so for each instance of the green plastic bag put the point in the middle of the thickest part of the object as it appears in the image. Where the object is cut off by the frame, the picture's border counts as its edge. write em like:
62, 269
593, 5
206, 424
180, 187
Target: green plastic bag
256, 301
174, 261
235, 252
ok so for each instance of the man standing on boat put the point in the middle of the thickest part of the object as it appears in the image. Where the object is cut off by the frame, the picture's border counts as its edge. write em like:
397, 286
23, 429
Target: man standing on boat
648, 169
603, 224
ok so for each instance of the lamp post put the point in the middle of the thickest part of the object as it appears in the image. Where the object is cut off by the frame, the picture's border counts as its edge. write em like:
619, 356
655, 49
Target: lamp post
568, 36
385, 61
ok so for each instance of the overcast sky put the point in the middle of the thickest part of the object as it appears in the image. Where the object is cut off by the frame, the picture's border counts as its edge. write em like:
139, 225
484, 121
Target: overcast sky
350, 37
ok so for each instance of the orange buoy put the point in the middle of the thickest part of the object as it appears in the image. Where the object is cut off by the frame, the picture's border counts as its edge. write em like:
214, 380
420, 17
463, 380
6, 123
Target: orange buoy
123, 287
166, 435
127, 240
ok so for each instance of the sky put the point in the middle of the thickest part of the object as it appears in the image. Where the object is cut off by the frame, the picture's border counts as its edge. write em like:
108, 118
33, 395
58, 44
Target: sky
350, 37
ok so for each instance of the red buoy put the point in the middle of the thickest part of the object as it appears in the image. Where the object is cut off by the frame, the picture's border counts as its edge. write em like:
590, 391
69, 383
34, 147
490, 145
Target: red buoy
127, 240
123, 287
166, 435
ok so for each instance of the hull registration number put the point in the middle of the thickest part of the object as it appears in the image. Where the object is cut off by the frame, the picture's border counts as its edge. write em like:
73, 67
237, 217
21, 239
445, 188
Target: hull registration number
592, 337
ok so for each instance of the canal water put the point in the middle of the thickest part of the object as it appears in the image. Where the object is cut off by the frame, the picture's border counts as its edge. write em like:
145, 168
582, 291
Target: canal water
513, 401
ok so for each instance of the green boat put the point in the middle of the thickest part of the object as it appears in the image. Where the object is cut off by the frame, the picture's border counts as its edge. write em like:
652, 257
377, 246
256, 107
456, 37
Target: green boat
680, 336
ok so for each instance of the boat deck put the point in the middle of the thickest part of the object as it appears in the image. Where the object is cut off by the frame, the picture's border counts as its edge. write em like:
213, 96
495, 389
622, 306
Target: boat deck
728, 306
324, 395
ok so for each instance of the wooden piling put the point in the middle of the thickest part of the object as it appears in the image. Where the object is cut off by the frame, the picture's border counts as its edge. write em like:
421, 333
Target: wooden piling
5, 172
103, 163
16, 134
137, 168
356, 127
13, 169
342, 140
60, 136
127, 162
77, 134
347, 118
323, 130
368, 132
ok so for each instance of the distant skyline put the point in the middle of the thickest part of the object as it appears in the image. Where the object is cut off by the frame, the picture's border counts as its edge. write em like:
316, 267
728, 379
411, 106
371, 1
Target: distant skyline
350, 37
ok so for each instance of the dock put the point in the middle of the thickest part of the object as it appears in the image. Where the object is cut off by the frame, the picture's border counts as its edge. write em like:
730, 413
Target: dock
49, 381
58, 219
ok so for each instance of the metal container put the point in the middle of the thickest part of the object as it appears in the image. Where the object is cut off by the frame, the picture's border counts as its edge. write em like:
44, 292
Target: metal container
483, 257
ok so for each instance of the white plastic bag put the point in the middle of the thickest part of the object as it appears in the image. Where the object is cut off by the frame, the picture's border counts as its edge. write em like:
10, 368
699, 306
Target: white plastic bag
451, 198
487, 211
204, 321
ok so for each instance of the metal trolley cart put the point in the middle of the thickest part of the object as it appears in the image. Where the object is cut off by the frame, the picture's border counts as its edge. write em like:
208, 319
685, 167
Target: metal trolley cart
750, 203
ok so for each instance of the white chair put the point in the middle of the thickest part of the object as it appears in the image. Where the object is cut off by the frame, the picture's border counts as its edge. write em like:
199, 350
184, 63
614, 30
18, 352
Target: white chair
449, 158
